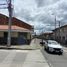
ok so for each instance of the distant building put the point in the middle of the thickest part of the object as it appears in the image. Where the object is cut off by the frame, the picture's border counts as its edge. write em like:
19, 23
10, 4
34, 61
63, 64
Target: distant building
20, 31
46, 35
60, 34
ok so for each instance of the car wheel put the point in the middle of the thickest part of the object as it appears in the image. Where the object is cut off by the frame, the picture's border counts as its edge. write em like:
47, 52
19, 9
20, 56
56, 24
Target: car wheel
48, 49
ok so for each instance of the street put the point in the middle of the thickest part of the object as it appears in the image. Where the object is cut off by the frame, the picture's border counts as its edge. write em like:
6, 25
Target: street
22, 58
32, 58
30, 31
55, 60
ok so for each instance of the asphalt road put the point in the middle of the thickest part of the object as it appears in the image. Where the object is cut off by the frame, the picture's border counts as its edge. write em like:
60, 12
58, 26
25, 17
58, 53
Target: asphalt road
55, 60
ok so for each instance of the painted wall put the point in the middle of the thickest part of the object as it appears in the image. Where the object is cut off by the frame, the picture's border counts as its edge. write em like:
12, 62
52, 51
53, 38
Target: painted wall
14, 34
1, 34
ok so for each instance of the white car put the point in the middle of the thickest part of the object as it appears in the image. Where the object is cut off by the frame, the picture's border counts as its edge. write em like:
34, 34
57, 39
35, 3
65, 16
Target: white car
53, 46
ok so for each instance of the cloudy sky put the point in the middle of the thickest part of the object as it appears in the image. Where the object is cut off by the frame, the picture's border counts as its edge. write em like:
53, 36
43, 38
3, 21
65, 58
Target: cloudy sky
40, 13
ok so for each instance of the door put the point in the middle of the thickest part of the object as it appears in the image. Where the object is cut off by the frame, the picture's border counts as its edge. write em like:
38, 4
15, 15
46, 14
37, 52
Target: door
21, 39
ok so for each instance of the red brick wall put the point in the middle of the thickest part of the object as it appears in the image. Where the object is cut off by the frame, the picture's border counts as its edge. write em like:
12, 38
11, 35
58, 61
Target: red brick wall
21, 23
4, 20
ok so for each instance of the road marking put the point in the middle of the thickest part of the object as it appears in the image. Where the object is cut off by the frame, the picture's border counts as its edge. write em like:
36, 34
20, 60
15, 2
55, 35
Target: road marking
23, 51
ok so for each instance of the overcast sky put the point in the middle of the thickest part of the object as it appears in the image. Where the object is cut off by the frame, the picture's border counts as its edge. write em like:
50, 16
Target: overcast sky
40, 13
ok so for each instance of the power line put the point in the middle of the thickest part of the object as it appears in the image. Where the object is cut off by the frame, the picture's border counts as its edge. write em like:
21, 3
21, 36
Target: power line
3, 6
7, 2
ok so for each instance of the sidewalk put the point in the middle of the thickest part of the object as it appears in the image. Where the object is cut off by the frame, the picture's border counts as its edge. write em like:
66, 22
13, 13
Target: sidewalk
64, 49
33, 45
35, 59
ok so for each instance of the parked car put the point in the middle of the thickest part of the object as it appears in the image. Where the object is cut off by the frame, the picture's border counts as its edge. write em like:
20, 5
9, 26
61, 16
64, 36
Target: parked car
53, 46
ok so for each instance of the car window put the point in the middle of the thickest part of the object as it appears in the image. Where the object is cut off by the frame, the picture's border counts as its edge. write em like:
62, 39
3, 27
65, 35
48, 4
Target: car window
52, 42
49, 42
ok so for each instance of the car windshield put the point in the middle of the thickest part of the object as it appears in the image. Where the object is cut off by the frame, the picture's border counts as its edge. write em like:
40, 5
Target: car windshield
52, 42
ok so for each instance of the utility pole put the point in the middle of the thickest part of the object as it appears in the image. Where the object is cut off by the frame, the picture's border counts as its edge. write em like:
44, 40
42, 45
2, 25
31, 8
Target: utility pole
59, 30
10, 19
55, 27
9, 23
42, 37
35, 37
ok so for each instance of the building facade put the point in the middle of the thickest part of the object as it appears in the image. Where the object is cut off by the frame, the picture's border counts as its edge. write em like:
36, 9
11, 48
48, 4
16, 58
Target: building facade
60, 34
20, 31
46, 35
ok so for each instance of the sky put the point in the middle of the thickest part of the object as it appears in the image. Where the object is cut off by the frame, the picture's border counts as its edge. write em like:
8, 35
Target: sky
40, 13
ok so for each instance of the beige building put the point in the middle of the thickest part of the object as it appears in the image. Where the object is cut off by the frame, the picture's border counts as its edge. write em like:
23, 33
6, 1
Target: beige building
60, 34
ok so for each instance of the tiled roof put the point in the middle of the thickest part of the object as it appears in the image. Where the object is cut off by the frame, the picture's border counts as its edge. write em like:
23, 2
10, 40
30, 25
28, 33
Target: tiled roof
60, 27
15, 21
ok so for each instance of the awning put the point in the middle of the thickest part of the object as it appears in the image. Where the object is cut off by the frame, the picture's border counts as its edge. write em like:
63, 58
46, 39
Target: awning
14, 28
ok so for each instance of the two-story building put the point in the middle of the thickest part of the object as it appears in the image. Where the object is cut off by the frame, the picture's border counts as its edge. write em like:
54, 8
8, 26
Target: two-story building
60, 34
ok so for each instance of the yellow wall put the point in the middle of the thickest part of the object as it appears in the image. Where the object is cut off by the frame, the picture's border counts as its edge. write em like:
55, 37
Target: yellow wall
14, 34
1, 34
28, 36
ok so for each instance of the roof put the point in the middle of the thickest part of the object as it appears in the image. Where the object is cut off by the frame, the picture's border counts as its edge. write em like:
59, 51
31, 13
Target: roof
21, 23
15, 21
13, 28
63, 26
48, 32
60, 27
